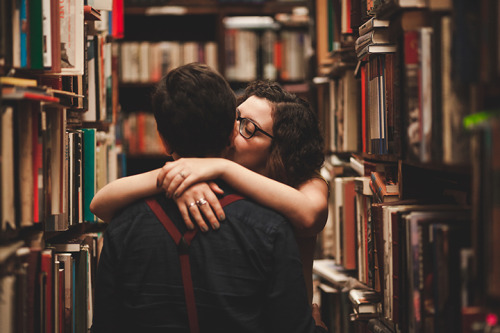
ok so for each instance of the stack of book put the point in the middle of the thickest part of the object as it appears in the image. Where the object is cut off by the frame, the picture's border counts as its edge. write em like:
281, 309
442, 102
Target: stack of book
366, 303
374, 37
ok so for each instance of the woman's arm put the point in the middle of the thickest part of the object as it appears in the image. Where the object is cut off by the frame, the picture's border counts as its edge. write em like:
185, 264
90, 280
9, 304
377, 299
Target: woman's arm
305, 207
121, 192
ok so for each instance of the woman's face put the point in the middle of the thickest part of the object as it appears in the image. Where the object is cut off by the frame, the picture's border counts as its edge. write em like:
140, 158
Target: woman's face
253, 153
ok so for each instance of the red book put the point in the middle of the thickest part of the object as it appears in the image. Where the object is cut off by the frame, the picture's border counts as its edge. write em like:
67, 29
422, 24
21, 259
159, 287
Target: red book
349, 226
37, 158
47, 289
118, 27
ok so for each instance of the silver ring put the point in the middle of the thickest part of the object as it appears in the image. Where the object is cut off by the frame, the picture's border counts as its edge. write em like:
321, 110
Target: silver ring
192, 204
183, 175
201, 202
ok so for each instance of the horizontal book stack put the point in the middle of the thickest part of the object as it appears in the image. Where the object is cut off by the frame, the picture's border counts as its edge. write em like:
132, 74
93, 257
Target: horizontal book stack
374, 37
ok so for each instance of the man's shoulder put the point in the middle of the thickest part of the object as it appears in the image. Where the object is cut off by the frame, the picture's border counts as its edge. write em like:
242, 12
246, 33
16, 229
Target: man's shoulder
129, 215
254, 214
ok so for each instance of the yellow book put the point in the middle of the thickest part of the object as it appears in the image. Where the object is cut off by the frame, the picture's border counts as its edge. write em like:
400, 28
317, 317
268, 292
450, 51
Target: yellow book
17, 81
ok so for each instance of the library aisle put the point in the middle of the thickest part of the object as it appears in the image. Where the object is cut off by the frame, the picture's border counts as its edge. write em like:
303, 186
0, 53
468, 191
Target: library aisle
407, 94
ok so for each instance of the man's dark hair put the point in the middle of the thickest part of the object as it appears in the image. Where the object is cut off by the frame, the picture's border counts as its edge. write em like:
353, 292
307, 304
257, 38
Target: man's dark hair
195, 109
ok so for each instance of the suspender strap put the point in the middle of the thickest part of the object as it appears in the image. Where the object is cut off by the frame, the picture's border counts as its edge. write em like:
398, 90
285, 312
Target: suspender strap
183, 242
230, 198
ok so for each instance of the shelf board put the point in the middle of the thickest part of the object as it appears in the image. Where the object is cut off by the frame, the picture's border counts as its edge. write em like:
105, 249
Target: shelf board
212, 7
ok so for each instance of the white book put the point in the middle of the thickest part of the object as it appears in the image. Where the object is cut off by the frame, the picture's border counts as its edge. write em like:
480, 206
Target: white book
91, 114
211, 56
144, 75
72, 35
47, 36
8, 213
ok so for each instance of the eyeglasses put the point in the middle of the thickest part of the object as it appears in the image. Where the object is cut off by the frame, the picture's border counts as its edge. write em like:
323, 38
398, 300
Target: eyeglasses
248, 128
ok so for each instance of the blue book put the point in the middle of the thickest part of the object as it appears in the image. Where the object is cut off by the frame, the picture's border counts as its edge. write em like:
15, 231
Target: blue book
23, 28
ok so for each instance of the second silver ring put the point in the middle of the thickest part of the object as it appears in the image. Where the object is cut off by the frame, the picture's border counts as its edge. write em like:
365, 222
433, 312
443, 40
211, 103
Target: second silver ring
201, 202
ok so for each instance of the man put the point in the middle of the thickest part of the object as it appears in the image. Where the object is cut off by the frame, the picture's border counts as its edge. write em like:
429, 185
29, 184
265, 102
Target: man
246, 276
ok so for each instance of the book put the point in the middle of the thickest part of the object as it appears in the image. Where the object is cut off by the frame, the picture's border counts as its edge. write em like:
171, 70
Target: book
384, 187
17, 81
67, 262
363, 53
365, 300
24, 187
47, 289
55, 178
8, 212
55, 36
47, 33
27, 93
72, 37
377, 326
364, 233
331, 272
372, 23
373, 37
35, 42
89, 172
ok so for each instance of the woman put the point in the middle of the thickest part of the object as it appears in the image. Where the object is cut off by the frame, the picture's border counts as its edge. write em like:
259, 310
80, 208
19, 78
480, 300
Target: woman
274, 159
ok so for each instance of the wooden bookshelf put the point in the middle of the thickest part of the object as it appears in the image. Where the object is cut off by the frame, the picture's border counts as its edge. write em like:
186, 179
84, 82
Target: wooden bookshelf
174, 29
429, 120
58, 147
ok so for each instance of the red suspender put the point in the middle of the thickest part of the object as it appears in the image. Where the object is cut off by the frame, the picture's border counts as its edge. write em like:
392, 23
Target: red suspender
183, 242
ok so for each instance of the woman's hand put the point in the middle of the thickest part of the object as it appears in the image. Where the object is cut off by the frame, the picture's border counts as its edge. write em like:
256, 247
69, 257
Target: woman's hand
200, 200
175, 177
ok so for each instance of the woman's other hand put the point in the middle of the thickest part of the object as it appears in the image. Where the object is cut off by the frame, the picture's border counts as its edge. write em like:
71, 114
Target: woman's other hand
175, 177
200, 201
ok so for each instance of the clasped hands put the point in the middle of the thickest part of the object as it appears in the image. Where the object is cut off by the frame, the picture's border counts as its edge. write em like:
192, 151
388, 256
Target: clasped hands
188, 182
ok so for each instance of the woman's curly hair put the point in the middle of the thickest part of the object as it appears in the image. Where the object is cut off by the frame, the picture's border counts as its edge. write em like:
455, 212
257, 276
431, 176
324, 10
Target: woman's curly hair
297, 151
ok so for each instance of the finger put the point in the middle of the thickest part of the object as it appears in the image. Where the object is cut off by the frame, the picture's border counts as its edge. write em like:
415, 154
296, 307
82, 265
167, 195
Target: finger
206, 210
163, 172
169, 178
316, 314
215, 188
195, 213
175, 181
182, 186
215, 206
183, 209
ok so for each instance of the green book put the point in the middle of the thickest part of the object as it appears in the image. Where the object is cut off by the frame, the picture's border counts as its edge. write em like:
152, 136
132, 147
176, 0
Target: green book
35, 34
89, 172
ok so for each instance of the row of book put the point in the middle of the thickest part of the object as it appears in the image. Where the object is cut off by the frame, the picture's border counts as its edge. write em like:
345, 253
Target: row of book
410, 92
268, 54
146, 62
416, 255
48, 289
48, 34
50, 174
140, 136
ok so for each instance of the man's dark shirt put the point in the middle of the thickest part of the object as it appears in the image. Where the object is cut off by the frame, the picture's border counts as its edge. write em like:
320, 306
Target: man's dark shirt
247, 275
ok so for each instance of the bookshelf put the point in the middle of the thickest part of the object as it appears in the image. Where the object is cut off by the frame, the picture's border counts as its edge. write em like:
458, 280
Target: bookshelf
242, 40
408, 90
58, 144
